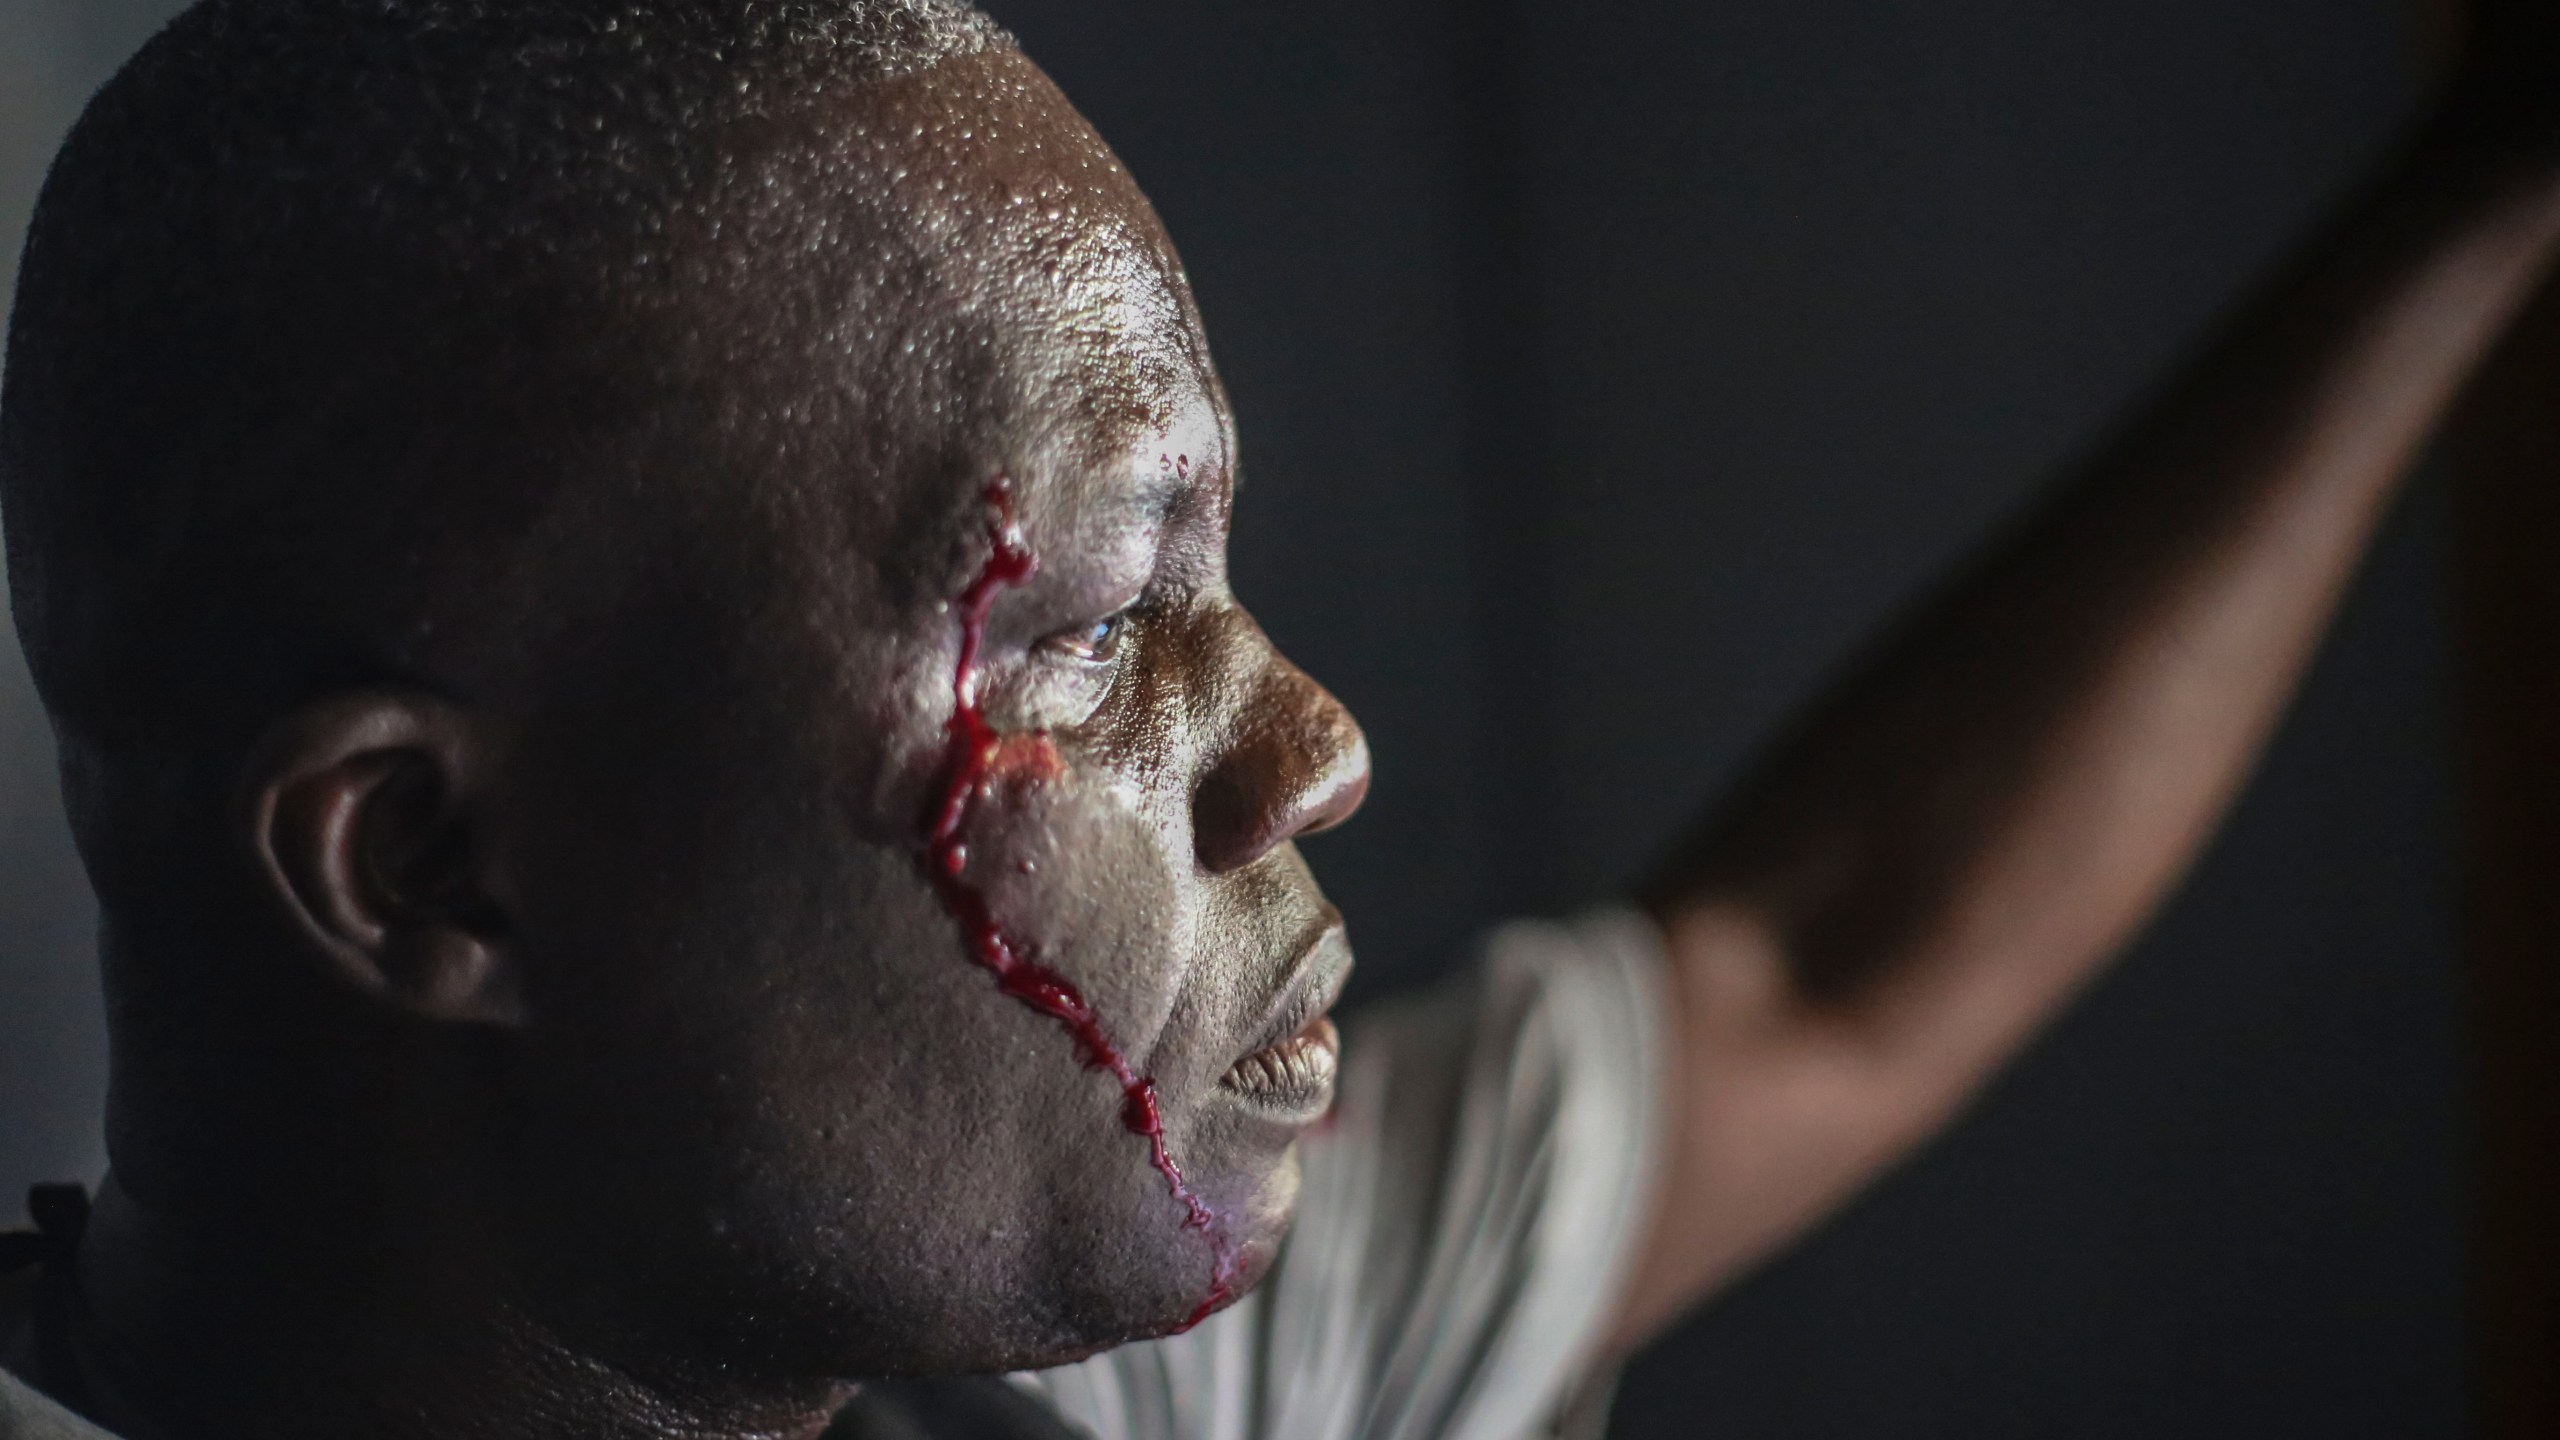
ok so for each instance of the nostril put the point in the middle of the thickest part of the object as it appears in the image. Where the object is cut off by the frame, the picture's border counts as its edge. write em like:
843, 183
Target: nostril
1264, 796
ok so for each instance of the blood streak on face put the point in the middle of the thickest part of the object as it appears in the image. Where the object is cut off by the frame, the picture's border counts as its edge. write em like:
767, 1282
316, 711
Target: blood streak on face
972, 756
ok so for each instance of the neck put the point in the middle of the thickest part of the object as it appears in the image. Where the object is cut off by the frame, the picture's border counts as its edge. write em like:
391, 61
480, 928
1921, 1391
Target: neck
283, 1321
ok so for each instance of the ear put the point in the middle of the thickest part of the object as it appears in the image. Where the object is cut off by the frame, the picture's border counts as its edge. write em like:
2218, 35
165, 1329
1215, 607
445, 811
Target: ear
361, 811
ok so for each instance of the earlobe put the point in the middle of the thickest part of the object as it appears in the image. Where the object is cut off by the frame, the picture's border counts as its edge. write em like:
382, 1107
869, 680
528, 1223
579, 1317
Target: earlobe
360, 813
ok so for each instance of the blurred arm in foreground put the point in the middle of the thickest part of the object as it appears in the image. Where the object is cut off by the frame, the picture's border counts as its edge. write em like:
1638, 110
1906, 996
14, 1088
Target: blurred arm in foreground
1955, 839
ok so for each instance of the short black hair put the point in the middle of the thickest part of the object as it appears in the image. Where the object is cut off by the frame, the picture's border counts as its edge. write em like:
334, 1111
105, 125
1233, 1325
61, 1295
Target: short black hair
297, 265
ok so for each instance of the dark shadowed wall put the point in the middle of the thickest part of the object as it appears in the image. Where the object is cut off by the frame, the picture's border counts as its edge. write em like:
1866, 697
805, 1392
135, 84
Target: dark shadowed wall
1608, 373
53, 1074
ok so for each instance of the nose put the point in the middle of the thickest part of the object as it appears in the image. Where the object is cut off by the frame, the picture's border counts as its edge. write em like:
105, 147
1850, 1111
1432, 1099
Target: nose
1296, 764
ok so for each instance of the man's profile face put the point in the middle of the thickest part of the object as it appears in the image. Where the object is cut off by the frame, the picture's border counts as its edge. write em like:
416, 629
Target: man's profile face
763, 1070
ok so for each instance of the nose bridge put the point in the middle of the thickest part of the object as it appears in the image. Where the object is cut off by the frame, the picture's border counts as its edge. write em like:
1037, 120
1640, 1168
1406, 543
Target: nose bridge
1291, 761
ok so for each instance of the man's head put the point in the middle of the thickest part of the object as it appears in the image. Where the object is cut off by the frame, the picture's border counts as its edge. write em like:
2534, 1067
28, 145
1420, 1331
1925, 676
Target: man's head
487, 483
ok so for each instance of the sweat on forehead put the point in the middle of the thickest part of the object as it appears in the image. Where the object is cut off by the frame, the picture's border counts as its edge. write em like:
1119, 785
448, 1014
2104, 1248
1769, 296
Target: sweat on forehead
389, 278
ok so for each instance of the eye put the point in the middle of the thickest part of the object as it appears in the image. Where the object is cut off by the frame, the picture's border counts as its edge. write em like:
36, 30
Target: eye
1092, 644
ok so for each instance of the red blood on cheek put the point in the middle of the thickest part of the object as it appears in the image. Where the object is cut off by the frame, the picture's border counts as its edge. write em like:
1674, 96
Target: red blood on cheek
977, 759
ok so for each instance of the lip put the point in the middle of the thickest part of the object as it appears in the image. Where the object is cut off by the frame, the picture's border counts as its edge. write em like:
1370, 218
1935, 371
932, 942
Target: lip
1288, 1076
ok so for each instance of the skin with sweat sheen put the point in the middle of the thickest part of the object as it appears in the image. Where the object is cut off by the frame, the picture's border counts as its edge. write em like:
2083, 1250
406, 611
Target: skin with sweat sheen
762, 1077
631, 905
1148, 758
982, 759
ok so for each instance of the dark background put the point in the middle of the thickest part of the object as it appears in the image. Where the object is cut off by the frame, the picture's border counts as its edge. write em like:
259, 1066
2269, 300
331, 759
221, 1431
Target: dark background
1608, 372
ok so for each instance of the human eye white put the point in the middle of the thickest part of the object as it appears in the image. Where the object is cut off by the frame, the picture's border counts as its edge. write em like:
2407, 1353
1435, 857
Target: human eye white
1093, 643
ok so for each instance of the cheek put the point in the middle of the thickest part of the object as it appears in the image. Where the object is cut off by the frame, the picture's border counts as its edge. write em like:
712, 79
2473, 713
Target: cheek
1025, 763
928, 1150
1088, 872
773, 1066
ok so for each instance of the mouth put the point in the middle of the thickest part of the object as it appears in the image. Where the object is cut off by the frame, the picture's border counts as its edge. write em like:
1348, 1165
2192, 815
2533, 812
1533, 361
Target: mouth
1289, 1076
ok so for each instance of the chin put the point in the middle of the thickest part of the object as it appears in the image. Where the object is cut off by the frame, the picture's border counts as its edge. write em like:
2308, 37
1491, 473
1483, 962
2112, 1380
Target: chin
1182, 1268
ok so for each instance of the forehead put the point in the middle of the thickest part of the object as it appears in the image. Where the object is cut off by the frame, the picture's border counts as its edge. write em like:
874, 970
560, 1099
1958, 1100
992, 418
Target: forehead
1023, 308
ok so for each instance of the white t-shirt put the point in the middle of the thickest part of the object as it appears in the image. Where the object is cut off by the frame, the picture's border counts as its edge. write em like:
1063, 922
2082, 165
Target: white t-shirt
1464, 1225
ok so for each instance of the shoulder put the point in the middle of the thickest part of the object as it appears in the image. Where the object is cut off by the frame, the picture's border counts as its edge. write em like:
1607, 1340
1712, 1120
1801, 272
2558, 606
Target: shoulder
28, 1415
25, 1412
